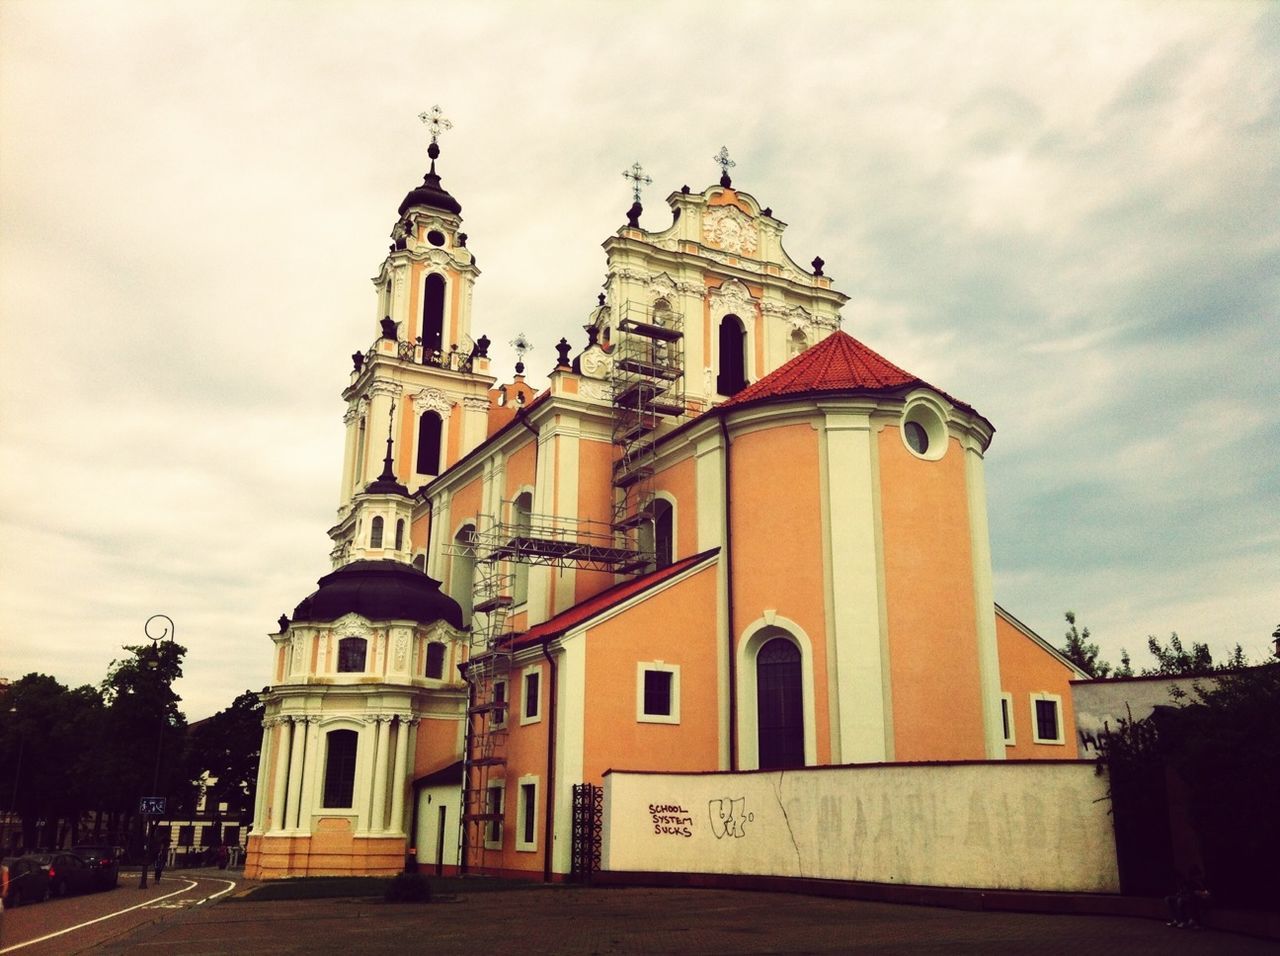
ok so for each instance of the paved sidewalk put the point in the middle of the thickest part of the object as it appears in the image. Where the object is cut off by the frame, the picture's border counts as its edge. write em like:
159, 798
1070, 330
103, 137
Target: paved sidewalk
638, 920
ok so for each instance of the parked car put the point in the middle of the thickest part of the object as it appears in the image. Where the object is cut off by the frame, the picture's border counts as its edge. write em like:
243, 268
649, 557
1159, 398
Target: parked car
103, 860
28, 881
68, 873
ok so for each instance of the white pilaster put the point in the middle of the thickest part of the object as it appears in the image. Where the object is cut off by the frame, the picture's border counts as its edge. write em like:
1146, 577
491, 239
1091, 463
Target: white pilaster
984, 601
306, 805
282, 774
854, 635
296, 771
264, 769
397, 776
378, 812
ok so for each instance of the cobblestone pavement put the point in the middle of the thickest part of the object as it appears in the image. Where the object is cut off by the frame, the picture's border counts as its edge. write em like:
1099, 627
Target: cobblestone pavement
575, 920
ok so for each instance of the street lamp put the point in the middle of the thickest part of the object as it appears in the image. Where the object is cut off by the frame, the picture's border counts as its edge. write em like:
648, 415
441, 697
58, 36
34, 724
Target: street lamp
17, 773
164, 630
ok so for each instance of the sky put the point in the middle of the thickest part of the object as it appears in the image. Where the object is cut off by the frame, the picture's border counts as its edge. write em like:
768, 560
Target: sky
1065, 214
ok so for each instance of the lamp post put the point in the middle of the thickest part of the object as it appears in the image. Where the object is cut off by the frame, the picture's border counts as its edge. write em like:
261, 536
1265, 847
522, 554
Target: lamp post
164, 630
17, 773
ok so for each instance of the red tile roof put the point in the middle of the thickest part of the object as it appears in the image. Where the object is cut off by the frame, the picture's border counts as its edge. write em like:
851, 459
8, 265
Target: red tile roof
580, 613
839, 363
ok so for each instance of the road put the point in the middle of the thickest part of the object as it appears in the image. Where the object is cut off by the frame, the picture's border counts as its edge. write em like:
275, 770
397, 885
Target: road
79, 923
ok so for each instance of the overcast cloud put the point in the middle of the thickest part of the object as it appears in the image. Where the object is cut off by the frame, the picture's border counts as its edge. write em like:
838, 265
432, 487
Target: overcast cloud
1066, 214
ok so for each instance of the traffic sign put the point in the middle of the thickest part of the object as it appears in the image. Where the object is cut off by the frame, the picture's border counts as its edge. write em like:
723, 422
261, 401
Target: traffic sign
152, 806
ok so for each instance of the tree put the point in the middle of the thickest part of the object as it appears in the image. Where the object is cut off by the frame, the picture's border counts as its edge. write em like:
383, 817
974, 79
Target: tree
1173, 660
223, 752
1080, 652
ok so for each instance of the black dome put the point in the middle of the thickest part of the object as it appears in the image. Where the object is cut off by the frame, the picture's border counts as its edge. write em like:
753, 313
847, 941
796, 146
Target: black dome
380, 591
431, 193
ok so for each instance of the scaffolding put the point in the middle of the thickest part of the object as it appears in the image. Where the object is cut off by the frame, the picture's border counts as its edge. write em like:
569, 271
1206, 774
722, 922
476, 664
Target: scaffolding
647, 388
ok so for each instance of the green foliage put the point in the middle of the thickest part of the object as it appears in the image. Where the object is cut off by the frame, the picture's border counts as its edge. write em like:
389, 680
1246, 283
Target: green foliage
225, 747
409, 888
1080, 652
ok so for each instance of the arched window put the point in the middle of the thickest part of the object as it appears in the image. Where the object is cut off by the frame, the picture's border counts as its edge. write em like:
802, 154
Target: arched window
798, 342
357, 469
429, 426
340, 767
522, 509
664, 531
779, 705
463, 569
733, 356
399, 533
375, 532
351, 655
433, 315
435, 660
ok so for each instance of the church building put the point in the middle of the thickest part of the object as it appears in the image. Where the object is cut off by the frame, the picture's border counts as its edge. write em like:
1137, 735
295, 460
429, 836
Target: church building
723, 535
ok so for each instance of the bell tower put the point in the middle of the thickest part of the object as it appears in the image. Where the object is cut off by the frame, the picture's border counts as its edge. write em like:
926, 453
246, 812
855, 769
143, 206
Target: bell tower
424, 373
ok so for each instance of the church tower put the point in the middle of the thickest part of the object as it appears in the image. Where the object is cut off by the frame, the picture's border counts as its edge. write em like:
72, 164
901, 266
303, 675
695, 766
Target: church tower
424, 378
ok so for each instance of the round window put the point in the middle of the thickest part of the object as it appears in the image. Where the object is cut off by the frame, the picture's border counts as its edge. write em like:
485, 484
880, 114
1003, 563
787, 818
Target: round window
435, 237
917, 437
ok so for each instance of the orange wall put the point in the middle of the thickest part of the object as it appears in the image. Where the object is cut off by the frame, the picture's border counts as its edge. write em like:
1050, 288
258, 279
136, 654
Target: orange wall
928, 569
777, 542
519, 471
595, 502
438, 744
1026, 668
675, 626
680, 481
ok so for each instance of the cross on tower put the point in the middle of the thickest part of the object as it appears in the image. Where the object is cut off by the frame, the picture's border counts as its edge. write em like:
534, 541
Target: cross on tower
726, 163
637, 177
435, 121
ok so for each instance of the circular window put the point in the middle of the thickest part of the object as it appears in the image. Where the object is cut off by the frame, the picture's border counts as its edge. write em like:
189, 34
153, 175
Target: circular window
917, 437
435, 237
924, 428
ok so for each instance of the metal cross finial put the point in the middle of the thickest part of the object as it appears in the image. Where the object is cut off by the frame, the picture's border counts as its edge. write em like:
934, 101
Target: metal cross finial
723, 159
435, 121
637, 177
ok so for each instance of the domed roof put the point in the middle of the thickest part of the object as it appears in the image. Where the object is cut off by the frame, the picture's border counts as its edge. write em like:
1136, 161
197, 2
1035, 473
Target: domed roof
431, 193
381, 590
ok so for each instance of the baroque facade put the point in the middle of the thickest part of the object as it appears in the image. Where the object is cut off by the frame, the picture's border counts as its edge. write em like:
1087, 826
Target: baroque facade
726, 535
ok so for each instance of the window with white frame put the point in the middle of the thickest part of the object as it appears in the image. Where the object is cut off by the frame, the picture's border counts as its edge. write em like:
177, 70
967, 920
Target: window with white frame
1046, 719
499, 717
531, 696
527, 815
1006, 718
657, 693
495, 795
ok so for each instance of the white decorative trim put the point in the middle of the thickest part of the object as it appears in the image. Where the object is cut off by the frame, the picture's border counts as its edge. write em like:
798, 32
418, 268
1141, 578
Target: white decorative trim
732, 297
522, 845
390, 389
754, 637
923, 409
478, 403
595, 363
729, 228
525, 717
433, 399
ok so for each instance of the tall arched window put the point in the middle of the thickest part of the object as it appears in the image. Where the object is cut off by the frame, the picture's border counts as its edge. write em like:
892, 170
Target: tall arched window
357, 468
522, 509
340, 767
351, 655
433, 315
375, 532
462, 569
429, 426
399, 533
435, 660
733, 356
664, 539
779, 705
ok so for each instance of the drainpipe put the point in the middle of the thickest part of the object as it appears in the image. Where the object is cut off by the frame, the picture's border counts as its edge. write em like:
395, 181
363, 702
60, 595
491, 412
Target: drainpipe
549, 812
728, 571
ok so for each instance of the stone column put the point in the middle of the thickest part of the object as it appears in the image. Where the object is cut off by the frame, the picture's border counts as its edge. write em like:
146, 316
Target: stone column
381, 767
398, 774
309, 764
264, 769
282, 775
296, 770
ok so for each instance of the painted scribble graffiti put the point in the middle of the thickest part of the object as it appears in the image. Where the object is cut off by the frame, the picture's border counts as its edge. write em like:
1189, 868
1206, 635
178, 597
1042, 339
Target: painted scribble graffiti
729, 817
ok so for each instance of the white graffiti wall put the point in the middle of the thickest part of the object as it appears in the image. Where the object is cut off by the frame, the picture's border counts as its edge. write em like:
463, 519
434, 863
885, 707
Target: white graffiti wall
1026, 826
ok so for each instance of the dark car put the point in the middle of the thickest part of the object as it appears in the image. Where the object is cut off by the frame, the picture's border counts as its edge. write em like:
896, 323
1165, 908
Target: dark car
103, 860
68, 873
28, 881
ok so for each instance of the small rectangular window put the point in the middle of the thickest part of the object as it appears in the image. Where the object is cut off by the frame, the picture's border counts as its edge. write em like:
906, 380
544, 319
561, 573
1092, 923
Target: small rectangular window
493, 832
499, 698
1006, 718
1046, 718
532, 696
528, 816
657, 693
